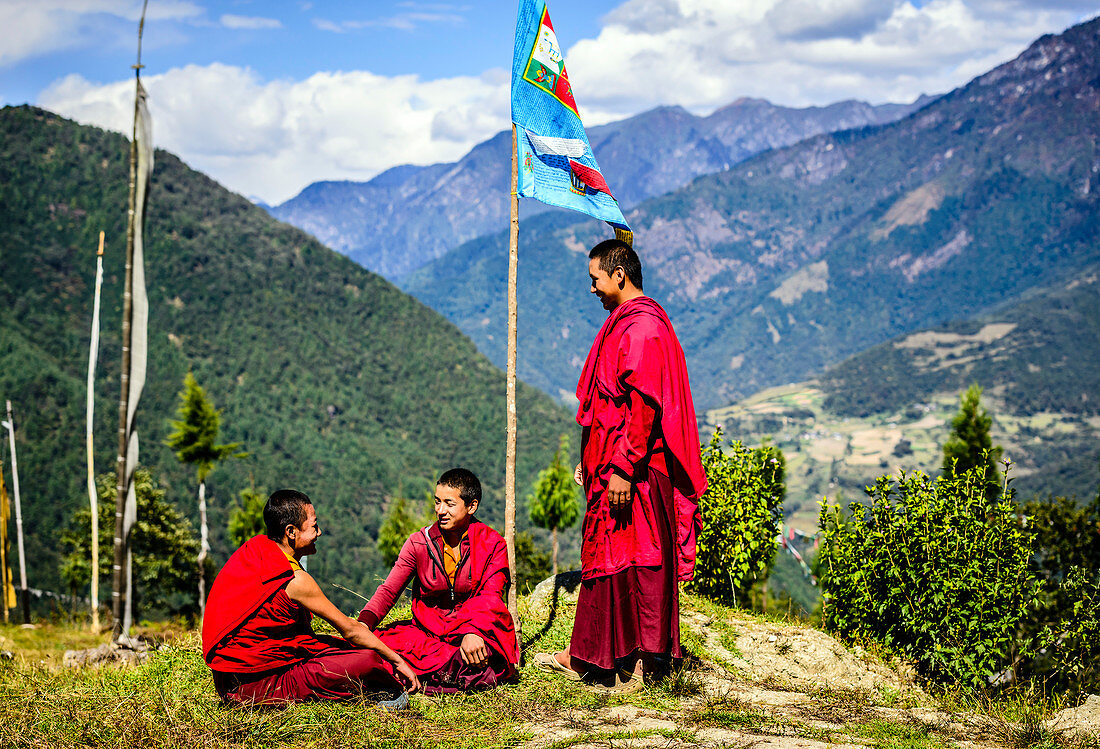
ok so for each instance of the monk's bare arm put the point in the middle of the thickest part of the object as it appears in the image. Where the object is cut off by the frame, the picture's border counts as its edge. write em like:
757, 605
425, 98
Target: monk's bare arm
303, 589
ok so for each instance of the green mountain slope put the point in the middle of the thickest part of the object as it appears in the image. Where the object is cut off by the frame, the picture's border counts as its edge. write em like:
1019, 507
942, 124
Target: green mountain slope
800, 257
335, 381
890, 407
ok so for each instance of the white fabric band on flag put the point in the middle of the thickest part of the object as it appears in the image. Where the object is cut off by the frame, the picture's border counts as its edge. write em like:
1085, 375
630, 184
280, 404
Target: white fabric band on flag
574, 148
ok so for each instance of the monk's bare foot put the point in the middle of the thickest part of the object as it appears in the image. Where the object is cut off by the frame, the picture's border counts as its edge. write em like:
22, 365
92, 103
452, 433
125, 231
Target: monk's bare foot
567, 661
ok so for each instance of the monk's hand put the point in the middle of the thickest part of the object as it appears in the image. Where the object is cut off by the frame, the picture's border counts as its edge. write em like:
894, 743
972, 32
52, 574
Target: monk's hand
474, 651
407, 676
618, 492
578, 476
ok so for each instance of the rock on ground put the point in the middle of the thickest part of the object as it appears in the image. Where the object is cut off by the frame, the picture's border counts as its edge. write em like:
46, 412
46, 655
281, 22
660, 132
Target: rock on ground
801, 657
127, 652
1083, 720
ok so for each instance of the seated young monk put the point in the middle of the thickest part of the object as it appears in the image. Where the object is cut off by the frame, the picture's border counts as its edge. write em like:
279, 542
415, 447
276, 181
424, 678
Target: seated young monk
256, 632
461, 636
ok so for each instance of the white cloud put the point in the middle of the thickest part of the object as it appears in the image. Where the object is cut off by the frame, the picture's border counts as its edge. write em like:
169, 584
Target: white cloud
705, 53
249, 22
30, 28
326, 25
826, 19
419, 15
269, 139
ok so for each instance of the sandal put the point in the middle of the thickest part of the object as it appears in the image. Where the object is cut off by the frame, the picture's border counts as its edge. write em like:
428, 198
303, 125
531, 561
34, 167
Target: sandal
623, 682
547, 662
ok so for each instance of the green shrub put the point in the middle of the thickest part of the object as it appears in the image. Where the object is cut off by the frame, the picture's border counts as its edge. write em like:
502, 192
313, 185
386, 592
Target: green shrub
1074, 645
741, 512
933, 570
1065, 537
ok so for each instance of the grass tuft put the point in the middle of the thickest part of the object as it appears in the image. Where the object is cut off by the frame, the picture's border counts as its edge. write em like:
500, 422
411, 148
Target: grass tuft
888, 734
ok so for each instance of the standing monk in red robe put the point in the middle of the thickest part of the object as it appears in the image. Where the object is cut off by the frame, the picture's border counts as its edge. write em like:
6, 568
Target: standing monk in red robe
642, 475
256, 633
461, 636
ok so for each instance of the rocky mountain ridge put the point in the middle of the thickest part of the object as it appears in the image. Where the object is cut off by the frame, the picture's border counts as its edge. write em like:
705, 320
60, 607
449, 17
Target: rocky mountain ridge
410, 215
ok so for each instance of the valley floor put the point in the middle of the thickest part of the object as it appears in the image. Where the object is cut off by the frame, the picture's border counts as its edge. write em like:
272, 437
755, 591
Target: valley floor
836, 457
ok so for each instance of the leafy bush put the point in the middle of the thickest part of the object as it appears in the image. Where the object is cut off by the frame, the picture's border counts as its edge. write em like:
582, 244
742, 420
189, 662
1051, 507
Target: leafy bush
741, 512
1074, 646
532, 563
1067, 554
931, 569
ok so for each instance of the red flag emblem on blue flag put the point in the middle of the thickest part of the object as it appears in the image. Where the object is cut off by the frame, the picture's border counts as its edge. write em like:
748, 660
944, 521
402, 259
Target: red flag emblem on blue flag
556, 163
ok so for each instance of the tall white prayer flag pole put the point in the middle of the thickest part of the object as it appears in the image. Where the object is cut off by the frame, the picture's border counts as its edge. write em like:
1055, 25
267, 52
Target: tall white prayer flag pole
93, 354
135, 319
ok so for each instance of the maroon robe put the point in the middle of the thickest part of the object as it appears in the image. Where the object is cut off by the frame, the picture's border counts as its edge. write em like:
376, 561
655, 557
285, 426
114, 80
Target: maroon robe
639, 422
260, 644
444, 613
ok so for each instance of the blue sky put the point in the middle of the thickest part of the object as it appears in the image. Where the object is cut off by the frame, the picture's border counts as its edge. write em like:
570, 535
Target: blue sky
284, 39
268, 97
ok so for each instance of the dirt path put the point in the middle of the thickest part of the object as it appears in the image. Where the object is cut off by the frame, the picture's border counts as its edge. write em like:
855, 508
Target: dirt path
773, 685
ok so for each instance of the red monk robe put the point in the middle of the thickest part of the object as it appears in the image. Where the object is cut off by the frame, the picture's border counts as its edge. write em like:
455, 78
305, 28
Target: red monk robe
444, 612
639, 422
260, 644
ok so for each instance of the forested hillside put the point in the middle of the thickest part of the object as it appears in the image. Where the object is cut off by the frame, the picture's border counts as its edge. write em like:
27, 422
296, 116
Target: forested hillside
335, 382
800, 257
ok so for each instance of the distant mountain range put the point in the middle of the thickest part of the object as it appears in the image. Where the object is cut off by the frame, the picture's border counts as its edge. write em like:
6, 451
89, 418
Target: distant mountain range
410, 215
800, 257
335, 382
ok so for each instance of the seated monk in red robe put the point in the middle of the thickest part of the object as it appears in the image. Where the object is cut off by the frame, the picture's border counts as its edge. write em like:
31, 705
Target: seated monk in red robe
461, 636
256, 633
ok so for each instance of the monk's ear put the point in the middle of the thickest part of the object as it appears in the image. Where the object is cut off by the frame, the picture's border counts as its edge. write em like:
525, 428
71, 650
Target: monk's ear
472, 507
618, 275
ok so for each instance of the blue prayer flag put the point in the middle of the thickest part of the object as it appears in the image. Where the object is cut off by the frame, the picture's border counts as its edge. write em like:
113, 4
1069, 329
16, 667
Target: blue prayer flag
555, 161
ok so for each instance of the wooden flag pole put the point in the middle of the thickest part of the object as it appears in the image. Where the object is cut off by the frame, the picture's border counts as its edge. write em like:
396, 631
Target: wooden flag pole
510, 461
93, 499
121, 545
10, 424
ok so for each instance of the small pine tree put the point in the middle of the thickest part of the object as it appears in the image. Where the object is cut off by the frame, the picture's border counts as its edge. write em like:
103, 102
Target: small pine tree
247, 518
970, 444
554, 503
163, 543
400, 522
194, 440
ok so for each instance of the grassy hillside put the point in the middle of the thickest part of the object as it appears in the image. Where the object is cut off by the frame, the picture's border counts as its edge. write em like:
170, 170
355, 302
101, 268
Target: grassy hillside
336, 382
